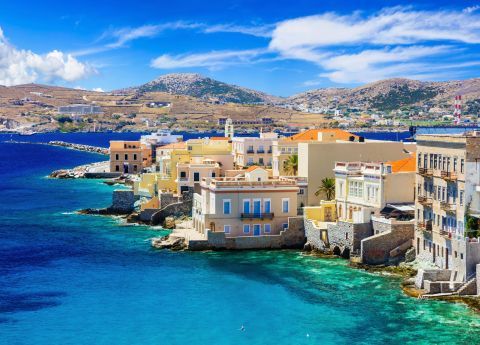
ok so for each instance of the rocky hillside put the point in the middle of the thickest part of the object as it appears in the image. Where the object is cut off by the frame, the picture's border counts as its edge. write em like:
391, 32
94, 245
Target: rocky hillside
391, 94
196, 85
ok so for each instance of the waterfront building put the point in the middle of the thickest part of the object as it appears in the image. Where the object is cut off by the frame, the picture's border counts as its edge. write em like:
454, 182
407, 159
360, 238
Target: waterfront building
129, 157
248, 151
248, 204
160, 138
283, 148
316, 160
364, 189
448, 202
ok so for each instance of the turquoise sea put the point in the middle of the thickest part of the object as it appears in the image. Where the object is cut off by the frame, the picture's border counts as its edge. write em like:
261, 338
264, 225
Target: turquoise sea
71, 279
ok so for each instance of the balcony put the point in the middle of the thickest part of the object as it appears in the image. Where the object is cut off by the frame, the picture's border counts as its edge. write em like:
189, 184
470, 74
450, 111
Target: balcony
251, 151
256, 215
449, 176
448, 207
425, 201
260, 151
446, 234
425, 172
269, 151
425, 225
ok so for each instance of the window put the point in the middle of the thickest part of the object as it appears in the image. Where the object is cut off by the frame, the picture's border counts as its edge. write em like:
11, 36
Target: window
227, 228
285, 226
126, 157
183, 174
455, 164
285, 205
267, 206
246, 206
419, 162
250, 160
117, 157
462, 165
135, 168
134, 156
213, 174
461, 198
267, 228
301, 191
260, 161
246, 228
117, 167
196, 176
227, 205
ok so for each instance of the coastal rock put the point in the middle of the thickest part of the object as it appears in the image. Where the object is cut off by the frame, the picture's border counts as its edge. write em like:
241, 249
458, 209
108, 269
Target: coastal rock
168, 242
410, 255
169, 223
307, 247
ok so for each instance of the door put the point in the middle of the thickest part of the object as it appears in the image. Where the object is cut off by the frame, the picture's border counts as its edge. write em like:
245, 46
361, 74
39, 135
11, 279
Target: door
446, 258
125, 168
267, 206
256, 230
257, 207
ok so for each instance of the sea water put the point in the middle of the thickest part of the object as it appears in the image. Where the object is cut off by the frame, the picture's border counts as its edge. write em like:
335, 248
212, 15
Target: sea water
78, 279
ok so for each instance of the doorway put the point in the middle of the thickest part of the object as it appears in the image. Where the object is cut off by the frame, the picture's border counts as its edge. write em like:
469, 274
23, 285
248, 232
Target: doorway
256, 230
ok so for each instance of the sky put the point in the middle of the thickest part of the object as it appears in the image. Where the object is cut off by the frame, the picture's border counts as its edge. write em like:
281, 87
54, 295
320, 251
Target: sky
279, 47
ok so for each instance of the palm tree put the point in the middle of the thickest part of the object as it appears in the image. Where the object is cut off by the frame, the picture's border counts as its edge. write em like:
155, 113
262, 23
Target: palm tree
327, 187
290, 166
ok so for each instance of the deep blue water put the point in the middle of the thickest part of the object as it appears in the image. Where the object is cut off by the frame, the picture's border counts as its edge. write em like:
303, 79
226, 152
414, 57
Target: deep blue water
72, 279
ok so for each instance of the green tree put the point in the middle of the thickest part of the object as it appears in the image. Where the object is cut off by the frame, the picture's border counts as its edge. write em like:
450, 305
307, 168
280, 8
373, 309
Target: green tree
290, 166
327, 188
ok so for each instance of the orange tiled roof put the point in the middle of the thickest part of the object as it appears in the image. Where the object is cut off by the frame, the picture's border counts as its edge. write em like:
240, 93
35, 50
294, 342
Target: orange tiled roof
312, 134
179, 145
219, 138
403, 165
253, 167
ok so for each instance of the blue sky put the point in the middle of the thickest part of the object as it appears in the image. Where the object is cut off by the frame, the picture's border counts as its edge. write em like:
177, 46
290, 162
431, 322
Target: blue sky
280, 47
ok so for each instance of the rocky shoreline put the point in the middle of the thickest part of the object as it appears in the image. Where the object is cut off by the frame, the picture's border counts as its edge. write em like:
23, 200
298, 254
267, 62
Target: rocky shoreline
80, 147
100, 168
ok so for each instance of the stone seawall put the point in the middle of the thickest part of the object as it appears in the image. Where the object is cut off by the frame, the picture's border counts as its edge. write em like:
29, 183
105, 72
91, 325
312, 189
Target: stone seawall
314, 235
375, 250
349, 235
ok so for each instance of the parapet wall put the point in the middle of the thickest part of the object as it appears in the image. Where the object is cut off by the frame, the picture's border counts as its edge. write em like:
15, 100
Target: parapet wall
123, 201
375, 250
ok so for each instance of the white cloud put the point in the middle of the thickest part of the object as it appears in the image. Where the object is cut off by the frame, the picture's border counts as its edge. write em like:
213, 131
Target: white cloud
98, 89
259, 31
212, 60
471, 9
389, 26
393, 42
24, 66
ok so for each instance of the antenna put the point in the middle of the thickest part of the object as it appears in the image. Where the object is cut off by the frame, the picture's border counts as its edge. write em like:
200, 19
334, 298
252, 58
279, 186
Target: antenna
457, 112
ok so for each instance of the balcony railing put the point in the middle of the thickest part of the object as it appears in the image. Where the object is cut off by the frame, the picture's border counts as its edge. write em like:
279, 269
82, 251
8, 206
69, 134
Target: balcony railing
448, 207
251, 151
269, 151
257, 215
260, 151
425, 201
449, 175
425, 172
445, 233
425, 225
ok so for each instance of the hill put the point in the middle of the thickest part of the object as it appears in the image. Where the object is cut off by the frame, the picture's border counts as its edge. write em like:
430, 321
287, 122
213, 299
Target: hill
196, 85
392, 94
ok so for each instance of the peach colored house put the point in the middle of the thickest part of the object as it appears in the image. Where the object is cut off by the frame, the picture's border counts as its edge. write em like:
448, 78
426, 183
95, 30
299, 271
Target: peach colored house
129, 157
249, 204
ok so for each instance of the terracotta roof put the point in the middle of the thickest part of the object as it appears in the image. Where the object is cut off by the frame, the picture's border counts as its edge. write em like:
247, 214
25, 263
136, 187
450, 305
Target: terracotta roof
312, 134
219, 138
253, 167
403, 165
179, 145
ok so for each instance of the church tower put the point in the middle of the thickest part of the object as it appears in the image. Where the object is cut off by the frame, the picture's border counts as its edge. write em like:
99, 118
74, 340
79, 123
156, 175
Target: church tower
229, 128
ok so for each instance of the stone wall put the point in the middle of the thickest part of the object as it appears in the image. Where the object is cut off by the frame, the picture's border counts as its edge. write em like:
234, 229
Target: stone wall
375, 250
313, 235
346, 234
122, 201
170, 206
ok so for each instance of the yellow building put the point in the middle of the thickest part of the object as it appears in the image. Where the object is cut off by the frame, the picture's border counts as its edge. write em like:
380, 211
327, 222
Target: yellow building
283, 148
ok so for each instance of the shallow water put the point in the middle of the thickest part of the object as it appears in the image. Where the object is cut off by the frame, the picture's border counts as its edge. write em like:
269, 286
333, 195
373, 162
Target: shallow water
72, 279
